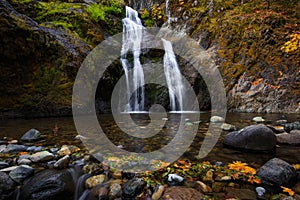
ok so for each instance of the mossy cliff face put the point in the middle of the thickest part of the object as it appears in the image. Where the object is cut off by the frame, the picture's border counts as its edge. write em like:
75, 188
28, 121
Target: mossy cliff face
246, 38
42, 45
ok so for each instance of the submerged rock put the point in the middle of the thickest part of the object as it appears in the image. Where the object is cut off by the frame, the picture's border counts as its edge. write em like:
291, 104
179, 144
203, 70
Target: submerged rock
286, 138
181, 193
254, 137
132, 188
21, 173
228, 127
31, 136
258, 119
276, 173
48, 184
158, 192
292, 126
7, 186
216, 119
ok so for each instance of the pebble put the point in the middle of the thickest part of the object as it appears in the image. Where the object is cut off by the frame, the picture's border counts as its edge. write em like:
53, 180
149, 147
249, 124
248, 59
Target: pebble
258, 119
260, 191
228, 127
13, 142
216, 119
62, 163
94, 180
158, 192
209, 176
174, 180
203, 187
41, 156
8, 169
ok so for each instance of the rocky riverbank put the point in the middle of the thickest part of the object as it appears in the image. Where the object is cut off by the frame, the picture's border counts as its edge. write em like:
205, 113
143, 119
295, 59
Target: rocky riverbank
32, 167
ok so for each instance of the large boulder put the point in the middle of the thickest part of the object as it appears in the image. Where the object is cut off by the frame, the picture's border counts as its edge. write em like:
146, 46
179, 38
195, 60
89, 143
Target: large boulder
7, 186
276, 173
254, 137
48, 184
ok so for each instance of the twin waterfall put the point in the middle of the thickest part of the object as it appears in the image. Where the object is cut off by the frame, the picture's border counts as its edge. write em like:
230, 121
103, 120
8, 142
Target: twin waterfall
131, 43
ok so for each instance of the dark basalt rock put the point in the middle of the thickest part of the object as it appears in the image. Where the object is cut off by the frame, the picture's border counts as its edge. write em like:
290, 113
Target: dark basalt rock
48, 184
252, 138
276, 173
7, 186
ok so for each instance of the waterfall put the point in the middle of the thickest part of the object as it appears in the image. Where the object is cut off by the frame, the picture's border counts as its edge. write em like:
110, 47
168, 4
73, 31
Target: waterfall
173, 77
132, 38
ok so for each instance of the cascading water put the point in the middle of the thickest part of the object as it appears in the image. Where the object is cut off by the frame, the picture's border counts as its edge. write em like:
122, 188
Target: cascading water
132, 38
173, 77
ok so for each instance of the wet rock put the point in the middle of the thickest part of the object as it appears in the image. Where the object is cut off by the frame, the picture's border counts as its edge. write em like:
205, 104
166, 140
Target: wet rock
115, 191
31, 136
174, 180
21, 173
16, 148
286, 138
7, 186
276, 173
67, 150
3, 165
8, 169
228, 127
62, 163
3, 148
41, 156
254, 137
48, 184
258, 119
92, 168
158, 192
242, 193
292, 126
216, 119
128, 175
12, 142
24, 161
132, 188
181, 193
95, 180
2, 142
35, 148
53, 150
203, 187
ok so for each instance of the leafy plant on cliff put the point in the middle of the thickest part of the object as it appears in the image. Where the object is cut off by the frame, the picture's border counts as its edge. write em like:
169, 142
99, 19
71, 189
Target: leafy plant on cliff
293, 44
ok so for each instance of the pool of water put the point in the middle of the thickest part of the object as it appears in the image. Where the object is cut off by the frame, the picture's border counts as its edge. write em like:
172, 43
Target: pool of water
164, 132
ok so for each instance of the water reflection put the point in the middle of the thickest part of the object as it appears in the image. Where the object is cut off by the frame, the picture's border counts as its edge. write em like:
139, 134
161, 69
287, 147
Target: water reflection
15, 128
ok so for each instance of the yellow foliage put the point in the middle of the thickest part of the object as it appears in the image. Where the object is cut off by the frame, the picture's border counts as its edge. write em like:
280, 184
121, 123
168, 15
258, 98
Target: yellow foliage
288, 190
293, 44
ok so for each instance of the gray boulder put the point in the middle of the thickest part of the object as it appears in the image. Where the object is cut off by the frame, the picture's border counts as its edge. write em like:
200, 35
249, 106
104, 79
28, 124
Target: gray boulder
254, 138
